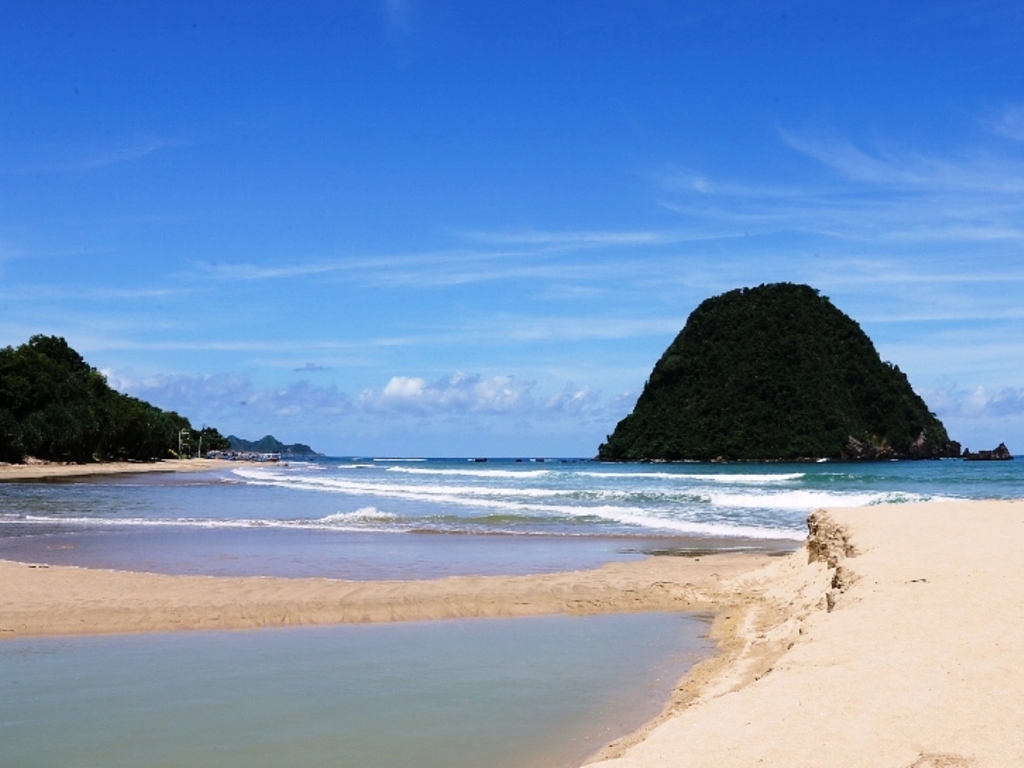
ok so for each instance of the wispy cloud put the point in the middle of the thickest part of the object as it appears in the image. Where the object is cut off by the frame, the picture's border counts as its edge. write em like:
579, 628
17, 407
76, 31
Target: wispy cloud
107, 156
399, 16
240, 271
977, 171
230, 345
436, 269
32, 293
888, 197
1010, 122
579, 240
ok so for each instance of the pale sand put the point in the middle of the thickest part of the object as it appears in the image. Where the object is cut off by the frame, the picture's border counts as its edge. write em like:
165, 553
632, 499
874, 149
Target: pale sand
918, 665
41, 470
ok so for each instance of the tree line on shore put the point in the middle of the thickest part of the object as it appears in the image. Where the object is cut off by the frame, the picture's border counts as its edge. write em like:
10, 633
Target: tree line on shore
56, 407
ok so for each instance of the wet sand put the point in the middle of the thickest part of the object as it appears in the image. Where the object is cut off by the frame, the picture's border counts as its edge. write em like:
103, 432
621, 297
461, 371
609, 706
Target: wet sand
37, 599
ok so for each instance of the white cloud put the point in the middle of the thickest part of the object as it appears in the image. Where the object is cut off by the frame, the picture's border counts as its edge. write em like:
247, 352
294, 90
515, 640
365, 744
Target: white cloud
573, 401
980, 402
458, 393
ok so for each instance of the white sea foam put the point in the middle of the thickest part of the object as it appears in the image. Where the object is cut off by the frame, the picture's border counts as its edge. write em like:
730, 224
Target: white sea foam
741, 479
362, 515
353, 521
808, 501
371, 487
493, 473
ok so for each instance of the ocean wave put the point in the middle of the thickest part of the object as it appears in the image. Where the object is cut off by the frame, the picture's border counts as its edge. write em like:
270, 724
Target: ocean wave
371, 487
358, 522
576, 498
704, 503
507, 496
740, 479
362, 515
493, 473
344, 521
809, 500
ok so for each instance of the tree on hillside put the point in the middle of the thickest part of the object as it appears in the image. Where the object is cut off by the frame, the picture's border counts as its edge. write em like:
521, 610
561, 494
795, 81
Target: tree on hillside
55, 406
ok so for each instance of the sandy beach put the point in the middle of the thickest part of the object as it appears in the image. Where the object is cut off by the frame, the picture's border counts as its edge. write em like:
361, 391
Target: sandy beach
42, 470
890, 639
37, 599
916, 665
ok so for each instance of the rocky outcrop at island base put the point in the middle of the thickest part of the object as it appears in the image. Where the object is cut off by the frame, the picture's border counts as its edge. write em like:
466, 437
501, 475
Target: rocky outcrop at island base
921, 448
999, 453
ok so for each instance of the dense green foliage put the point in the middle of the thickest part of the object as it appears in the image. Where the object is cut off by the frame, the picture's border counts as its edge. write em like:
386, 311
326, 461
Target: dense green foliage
270, 444
55, 406
774, 373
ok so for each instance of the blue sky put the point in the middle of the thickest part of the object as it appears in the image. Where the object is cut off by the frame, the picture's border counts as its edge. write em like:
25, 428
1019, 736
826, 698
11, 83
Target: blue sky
463, 228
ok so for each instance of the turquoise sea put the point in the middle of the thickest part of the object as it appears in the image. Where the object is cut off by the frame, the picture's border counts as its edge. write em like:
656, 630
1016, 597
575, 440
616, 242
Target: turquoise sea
516, 692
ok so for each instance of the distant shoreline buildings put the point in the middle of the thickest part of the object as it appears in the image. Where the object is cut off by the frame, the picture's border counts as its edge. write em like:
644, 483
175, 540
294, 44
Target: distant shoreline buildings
243, 456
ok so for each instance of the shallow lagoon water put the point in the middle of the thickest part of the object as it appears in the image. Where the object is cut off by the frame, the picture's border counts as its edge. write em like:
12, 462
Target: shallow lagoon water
525, 693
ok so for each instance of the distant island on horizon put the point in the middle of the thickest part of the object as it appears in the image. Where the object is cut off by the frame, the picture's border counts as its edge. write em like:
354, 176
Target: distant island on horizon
776, 373
269, 444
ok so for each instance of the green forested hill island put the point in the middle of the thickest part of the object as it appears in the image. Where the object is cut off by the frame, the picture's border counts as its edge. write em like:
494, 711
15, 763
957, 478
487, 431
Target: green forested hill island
775, 373
270, 444
56, 407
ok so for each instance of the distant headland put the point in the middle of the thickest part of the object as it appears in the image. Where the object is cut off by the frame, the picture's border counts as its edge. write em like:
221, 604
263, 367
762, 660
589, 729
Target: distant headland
269, 444
776, 373
56, 407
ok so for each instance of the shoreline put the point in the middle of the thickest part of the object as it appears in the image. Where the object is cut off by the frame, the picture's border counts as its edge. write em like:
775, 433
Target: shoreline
50, 471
